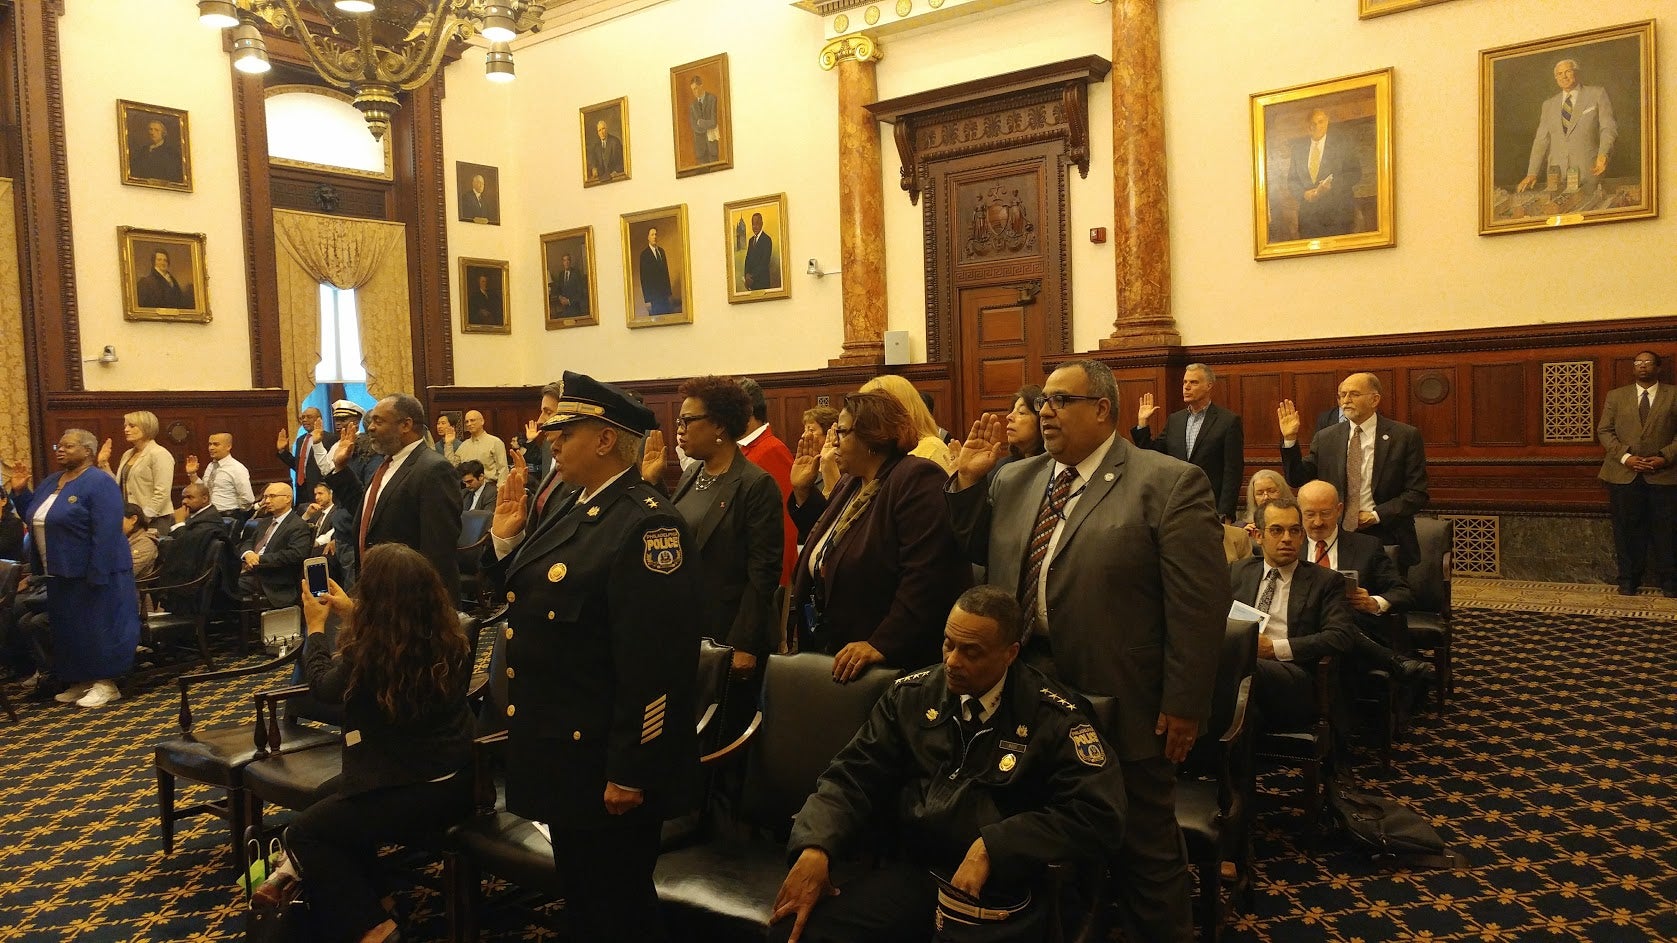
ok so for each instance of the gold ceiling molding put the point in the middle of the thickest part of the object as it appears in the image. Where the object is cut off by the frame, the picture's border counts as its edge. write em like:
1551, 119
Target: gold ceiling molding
861, 47
885, 17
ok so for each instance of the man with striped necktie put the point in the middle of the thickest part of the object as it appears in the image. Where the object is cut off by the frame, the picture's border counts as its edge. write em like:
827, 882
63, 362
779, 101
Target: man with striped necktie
1575, 131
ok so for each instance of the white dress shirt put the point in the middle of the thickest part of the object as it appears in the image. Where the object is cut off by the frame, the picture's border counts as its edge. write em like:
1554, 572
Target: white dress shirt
987, 702
1275, 627
1086, 471
229, 482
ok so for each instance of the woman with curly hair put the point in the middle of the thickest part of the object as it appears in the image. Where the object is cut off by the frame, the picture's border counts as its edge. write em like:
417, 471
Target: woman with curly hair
401, 671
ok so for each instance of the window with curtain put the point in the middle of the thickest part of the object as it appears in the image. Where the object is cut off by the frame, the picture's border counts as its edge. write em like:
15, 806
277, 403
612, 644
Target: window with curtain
340, 338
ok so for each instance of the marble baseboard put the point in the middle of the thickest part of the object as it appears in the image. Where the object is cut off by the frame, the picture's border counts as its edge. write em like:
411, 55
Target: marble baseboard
1557, 549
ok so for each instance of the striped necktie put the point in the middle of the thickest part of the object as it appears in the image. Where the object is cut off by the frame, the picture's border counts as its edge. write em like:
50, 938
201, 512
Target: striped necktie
1047, 518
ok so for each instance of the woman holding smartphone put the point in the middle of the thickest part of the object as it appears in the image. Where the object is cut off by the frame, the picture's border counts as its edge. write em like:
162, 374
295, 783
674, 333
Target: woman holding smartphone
401, 671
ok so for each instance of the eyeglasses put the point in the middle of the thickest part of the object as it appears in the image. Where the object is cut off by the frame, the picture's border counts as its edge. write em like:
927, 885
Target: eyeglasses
1059, 400
682, 422
840, 432
1645, 363
1354, 394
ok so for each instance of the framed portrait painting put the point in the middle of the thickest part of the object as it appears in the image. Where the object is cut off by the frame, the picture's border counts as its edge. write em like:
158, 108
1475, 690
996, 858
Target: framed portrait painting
163, 275
479, 189
485, 297
703, 114
657, 271
754, 231
568, 263
1322, 167
156, 146
605, 142
1368, 8
1566, 130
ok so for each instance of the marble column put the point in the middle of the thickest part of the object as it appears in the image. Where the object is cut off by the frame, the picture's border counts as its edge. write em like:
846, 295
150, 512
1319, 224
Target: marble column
861, 200
1141, 230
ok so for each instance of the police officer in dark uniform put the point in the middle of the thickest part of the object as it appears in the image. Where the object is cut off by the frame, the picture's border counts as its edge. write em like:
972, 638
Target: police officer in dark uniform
601, 742
984, 770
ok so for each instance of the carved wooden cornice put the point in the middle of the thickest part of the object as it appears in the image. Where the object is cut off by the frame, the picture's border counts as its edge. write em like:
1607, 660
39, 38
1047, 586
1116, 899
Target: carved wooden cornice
861, 47
1038, 104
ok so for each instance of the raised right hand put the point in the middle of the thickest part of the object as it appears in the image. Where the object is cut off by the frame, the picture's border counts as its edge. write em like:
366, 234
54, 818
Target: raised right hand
1144, 410
346, 445
530, 431
806, 463
510, 513
17, 474
1287, 417
653, 459
984, 447
191, 465
284, 441
104, 457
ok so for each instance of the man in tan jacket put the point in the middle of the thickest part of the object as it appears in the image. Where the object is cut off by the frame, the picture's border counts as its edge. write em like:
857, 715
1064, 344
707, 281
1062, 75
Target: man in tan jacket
1638, 430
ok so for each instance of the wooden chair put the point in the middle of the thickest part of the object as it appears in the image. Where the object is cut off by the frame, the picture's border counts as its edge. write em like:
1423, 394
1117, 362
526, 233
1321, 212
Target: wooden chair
1309, 750
199, 594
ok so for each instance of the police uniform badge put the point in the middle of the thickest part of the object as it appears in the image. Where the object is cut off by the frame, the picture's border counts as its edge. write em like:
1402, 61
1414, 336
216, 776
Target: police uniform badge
1087, 743
661, 550
594, 511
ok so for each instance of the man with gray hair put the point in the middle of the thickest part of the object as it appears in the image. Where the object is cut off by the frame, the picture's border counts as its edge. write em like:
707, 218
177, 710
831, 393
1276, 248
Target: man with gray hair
1575, 131
1202, 433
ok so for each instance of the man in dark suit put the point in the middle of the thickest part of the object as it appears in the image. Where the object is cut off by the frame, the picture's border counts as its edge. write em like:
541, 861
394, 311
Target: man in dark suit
655, 278
483, 307
160, 289
413, 496
157, 157
599, 709
1384, 483
1114, 552
306, 456
605, 155
197, 536
1328, 417
1322, 174
701, 114
567, 293
1638, 432
477, 205
759, 255
477, 491
273, 556
1202, 434
1308, 617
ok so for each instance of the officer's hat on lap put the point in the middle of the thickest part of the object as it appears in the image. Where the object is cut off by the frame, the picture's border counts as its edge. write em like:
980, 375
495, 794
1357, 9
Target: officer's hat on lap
583, 397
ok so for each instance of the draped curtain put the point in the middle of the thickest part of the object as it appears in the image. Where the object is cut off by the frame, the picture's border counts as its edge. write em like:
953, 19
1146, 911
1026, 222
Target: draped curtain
16, 442
364, 255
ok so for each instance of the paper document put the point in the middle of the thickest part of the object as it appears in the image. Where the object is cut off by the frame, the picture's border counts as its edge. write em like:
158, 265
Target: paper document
1239, 610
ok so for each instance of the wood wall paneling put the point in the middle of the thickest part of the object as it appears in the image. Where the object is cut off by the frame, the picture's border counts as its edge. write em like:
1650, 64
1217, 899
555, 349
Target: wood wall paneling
1259, 394
1429, 395
1501, 408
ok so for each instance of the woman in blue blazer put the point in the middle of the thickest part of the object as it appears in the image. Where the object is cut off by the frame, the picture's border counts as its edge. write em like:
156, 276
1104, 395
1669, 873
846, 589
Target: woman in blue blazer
75, 520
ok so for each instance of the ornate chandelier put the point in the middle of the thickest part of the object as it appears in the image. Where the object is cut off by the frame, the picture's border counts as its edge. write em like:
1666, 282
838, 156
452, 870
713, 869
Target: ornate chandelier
375, 48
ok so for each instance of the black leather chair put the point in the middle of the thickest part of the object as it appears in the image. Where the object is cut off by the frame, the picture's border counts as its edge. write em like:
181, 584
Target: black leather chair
1216, 785
724, 888
509, 846
1430, 629
1311, 749
474, 536
192, 602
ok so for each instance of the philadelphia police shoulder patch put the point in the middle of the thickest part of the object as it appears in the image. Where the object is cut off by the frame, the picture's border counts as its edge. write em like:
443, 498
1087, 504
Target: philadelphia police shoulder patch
1087, 743
661, 550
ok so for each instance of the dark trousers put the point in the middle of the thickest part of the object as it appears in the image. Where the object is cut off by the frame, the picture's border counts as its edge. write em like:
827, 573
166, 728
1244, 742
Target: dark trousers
892, 904
1150, 875
1285, 695
335, 843
606, 878
1644, 516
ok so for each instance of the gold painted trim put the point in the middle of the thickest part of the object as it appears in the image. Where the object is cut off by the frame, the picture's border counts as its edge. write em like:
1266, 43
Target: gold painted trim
870, 16
1384, 234
784, 246
861, 47
466, 327
631, 253
1367, 9
123, 107
586, 233
386, 174
904, 7
622, 105
193, 242
841, 23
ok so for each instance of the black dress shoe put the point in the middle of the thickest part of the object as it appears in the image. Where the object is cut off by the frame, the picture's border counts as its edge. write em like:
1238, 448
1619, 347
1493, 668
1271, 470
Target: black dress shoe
1413, 670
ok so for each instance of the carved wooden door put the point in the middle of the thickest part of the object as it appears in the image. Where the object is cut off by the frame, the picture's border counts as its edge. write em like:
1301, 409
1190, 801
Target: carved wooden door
1001, 345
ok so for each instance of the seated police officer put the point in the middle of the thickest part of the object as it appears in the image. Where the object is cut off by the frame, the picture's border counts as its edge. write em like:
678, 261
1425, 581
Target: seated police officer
983, 768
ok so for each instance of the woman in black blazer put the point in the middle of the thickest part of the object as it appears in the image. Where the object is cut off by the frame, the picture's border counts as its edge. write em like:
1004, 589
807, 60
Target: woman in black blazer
401, 671
732, 508
880, 568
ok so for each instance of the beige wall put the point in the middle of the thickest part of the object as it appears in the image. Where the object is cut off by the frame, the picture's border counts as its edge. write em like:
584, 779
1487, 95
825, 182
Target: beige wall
132, 50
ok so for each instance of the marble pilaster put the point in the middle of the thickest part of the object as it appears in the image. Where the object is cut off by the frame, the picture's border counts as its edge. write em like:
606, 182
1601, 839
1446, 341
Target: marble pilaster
861, 200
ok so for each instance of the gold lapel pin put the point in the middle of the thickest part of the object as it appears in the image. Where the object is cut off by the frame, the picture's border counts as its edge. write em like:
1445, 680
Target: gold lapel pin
556, 572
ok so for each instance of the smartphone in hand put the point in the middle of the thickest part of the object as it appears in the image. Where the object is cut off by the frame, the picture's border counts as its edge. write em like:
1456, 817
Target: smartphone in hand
1350, 580
314, 571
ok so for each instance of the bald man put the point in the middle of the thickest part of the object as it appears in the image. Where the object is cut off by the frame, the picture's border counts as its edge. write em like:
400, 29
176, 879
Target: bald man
478, 445
227, 478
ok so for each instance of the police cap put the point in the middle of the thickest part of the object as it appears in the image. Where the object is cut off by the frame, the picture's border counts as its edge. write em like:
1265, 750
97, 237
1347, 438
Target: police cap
583, 397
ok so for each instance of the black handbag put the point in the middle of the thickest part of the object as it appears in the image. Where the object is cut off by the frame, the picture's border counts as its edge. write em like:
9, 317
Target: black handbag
1394, 834
288, 921
962, 918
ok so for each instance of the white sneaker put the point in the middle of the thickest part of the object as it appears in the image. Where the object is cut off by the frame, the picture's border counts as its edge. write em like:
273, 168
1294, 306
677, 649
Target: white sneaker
102, 693
73, 693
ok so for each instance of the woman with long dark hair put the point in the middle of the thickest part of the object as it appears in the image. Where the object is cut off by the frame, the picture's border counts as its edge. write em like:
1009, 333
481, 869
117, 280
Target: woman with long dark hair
401, 670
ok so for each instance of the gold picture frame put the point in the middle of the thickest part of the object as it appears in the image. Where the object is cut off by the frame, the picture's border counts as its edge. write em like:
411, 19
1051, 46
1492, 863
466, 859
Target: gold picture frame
572, 301
605, 156
754, 236
701, 114
1372, 8
485, 296
163, 276
657, 281
154, 146
1328, 187
1545, 165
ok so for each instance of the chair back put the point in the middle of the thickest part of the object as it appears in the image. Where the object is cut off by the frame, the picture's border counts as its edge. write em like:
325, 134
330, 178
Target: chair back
711, 688
474, 528
1429, 579
807, 719
1237, 662
11, 571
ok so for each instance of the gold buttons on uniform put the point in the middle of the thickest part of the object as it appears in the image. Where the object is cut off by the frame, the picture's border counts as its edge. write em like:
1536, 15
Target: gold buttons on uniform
511, 673
509, 633
550, 615
512, 596
576, 735
556, 572
512, 709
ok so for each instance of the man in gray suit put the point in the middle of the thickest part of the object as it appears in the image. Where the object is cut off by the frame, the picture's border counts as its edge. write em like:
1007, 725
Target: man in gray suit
1638, 430
1117, 556
1574, 130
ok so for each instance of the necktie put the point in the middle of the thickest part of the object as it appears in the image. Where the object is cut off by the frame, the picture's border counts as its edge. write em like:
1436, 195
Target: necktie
969, 709
1642, 409
1354, 478
1315, 158
1267, 597
1321, 553
546, 492
1036, 552
372, 502
1566, 114
209, 478
266, 536
302, 458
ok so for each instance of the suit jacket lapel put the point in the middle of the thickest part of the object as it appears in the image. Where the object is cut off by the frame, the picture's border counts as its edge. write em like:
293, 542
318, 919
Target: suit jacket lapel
1658, 406
1382, 450
1208, 428
385, 486
1111, 471
726, 487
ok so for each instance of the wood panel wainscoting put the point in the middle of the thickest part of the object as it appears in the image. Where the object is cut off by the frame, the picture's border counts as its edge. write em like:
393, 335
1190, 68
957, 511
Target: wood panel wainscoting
185, 422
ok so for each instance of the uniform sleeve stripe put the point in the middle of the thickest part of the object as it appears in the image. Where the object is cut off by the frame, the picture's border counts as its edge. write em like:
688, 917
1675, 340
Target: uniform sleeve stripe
648, 738
654, 720
657, 705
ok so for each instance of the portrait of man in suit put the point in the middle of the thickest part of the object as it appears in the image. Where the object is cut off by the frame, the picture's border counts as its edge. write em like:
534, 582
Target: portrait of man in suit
1322, 174
605, 155
156, 157
567, 293
485, 304
154, 147
657, 271
655, 277
479, 188
700, 112
1575, 131
701, 116
759, 252
164, 285
485, 296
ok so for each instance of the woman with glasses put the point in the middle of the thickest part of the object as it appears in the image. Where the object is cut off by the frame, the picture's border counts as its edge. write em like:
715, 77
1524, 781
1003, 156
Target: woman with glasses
880, 568
733, 509
147, 470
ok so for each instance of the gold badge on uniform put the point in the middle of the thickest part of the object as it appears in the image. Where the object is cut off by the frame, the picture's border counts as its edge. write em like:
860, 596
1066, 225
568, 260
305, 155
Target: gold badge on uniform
594, 511
1088, 746
931, 713
556, 572
1007, 763
661, 550
1022, 730
72, 499
652, 503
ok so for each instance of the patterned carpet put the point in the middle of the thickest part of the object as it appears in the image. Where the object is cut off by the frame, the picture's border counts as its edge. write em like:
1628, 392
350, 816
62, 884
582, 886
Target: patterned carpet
1554, 774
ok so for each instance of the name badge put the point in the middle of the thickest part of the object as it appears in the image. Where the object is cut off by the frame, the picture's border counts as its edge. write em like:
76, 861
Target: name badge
352, 737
